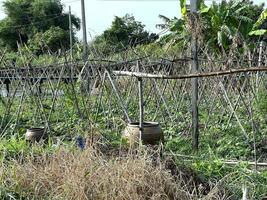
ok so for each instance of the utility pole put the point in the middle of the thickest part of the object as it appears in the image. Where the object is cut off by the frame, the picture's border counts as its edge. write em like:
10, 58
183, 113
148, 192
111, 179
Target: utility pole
70, 27
194, 68
84, 31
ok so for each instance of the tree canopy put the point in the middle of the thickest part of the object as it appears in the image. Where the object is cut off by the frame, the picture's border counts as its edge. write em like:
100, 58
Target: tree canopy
27, 20
124, 32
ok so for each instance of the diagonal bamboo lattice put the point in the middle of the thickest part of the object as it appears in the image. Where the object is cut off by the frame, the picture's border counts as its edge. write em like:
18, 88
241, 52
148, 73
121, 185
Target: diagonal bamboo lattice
94, 95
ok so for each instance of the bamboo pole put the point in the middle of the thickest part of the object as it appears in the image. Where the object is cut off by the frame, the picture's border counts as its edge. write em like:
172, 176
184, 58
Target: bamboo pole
141, 105
259, 64
227, 162
118, 96
85, 49
232, 109
187, 76
70, 30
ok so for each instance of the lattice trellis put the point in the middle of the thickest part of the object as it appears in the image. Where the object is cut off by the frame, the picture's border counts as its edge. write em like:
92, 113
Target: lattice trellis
90, 93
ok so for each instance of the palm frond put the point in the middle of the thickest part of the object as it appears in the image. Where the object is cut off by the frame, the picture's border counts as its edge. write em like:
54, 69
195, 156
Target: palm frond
164, 19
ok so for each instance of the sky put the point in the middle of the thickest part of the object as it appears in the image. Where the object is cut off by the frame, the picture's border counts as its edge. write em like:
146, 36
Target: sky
100, 13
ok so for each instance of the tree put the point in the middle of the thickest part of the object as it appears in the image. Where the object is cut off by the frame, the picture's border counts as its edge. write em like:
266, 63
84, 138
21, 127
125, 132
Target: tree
124, 32
229, 23
178, 32
26, 18
220, 25
50, 40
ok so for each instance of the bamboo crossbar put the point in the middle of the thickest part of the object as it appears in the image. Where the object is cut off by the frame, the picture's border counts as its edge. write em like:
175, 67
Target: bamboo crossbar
227, 162
187, 76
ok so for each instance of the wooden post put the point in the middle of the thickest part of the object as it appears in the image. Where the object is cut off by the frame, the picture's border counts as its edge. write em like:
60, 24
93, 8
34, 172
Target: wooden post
84, 31
259, 64
141, 105
260, 53
70, 27
194, 100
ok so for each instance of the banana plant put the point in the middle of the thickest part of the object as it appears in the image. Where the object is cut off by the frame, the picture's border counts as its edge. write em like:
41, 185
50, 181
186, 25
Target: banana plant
225, 23
259, 32
222, 24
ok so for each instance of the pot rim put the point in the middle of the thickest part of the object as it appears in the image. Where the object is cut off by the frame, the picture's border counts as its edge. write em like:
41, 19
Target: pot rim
146, 124
36, 129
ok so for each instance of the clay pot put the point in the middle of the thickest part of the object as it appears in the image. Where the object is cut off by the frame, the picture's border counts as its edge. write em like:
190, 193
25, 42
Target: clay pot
152, 133
34, 134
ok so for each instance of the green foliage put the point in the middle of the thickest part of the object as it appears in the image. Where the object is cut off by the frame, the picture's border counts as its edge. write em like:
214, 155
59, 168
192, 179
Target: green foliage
183, 7
179, 34
179, 144
220, 26
233, 177
213, 168
262, 19
51, 40
228, 23
259, 32
12, 148
124, 32
262, 101
26, 18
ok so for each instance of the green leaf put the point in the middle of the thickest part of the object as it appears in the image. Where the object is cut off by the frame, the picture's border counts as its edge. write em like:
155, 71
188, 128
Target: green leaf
183, 7
261, 19
220, 38
215, 21
205, 10
227, 31
259, 32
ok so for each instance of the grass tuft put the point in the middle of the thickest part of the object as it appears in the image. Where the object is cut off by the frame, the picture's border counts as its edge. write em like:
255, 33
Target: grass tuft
88, 174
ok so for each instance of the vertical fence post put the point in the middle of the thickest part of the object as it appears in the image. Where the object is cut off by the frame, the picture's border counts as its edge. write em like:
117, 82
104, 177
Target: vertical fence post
259, 64
195, 120
84, 31
70, 27
141, 105
260, 54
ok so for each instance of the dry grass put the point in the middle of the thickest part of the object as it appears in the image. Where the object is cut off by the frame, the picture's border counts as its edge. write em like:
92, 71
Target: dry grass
89, 174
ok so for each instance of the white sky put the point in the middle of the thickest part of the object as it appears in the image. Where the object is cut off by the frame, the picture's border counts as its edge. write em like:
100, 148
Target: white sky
100, 13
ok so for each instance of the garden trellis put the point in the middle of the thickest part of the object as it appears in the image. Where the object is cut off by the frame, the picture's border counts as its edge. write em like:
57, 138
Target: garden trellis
105, 95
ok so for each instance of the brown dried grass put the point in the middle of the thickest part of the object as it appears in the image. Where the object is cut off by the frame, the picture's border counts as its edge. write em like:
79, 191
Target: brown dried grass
88, 174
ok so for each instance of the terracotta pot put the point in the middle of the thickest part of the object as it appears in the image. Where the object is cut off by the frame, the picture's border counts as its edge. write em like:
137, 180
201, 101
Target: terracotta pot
34, 134
152, 133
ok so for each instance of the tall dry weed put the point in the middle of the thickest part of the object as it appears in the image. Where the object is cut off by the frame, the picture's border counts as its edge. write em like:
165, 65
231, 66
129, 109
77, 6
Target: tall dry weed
88, 174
